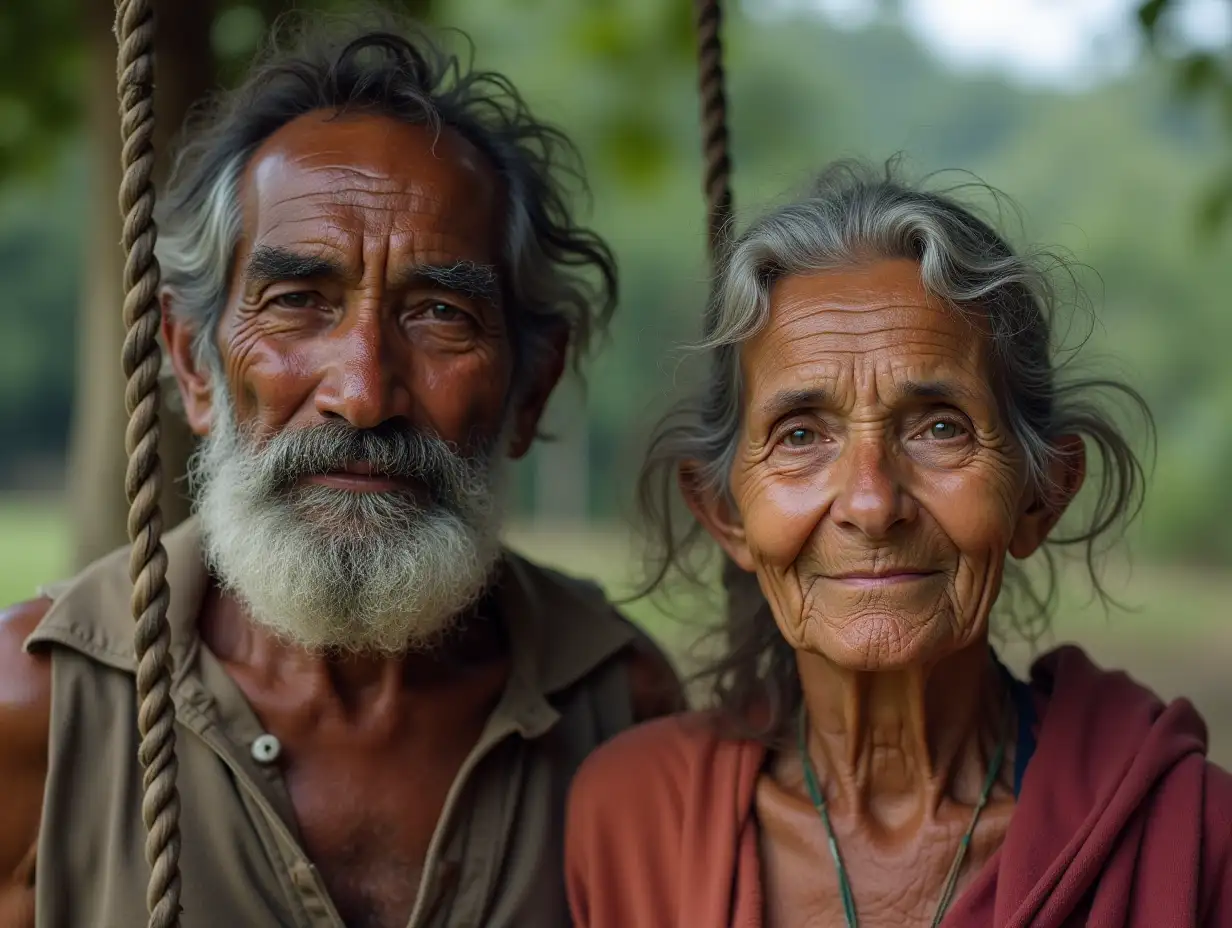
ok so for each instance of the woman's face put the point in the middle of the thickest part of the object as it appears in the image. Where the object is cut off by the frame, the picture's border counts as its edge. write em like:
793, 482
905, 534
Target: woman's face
878, 489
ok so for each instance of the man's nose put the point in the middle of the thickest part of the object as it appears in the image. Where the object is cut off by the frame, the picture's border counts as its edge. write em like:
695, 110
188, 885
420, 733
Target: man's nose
871, 497
362, 381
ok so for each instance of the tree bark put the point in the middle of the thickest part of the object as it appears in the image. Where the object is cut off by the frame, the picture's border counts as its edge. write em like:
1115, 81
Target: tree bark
97, 459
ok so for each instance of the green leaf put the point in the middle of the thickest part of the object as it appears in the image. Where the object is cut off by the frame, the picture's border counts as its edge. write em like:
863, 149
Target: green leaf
1196, 72
635, 147
1216, 206
237, 32
1149, 14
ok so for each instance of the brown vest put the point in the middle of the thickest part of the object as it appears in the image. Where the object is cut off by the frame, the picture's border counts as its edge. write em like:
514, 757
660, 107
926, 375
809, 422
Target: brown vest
494, 860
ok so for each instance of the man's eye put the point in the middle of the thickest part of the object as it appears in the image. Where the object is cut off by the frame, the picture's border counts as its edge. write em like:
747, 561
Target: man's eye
443, 312
299, 299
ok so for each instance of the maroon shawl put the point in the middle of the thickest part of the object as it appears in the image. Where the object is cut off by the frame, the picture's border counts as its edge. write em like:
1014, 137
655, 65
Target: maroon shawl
1121, 821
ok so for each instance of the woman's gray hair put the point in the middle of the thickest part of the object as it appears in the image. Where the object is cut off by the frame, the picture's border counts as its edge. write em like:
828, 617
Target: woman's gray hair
853, 215
557, 277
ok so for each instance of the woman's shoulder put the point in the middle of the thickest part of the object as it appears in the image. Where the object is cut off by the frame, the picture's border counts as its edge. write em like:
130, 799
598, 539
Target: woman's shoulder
655, 753
1218, 809
654, 816
656, 768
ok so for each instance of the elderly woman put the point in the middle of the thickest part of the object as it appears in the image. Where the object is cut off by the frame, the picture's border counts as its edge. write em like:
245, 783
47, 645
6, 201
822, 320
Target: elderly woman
884, 432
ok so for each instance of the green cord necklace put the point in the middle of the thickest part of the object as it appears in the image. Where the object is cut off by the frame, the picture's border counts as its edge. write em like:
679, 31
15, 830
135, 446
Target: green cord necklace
844, 885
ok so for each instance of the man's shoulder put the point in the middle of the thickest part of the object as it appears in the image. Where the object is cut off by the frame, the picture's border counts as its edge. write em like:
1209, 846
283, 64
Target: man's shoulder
25, 677
579, 607
25, 721
654, 686
25, 691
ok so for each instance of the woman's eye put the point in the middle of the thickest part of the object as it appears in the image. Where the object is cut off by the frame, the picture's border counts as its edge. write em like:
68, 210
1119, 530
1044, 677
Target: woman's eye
799, 438
942, 430
300, 299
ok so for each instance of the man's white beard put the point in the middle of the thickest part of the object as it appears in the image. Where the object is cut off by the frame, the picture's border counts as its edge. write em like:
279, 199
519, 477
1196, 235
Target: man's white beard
330, 569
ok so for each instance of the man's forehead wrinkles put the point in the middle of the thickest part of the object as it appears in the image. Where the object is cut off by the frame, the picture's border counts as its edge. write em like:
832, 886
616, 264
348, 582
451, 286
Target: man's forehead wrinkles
343, 201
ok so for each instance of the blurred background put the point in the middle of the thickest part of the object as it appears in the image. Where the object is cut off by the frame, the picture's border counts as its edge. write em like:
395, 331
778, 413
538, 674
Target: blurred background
1109, 122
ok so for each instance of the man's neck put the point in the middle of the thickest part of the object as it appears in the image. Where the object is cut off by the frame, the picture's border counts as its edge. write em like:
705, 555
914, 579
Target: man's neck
892, 747
358, 682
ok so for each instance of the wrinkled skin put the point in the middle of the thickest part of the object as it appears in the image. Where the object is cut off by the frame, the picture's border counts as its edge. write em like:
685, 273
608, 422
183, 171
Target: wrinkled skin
362, 331
876, 493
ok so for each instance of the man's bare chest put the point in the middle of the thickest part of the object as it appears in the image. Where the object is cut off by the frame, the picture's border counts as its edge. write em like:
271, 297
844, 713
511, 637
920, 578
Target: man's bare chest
367, 824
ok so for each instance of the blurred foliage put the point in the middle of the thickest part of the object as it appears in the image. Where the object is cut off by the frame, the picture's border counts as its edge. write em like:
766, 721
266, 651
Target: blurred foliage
41, 77
42, 51
1200, 75
1111, 174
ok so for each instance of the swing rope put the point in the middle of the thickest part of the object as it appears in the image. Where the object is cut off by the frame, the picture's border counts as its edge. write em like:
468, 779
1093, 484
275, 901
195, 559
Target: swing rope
142, 357
716, 185
716, 154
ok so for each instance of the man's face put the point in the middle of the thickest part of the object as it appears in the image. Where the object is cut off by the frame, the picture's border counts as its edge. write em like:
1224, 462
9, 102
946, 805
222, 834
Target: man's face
364, 396
364, 289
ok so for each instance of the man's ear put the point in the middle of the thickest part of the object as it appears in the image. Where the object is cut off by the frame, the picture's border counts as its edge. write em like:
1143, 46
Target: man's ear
196, 385
716, 513
533, 398
1066, 472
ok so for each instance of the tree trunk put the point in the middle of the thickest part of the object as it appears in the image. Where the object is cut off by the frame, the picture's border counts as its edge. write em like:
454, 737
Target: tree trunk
97, 458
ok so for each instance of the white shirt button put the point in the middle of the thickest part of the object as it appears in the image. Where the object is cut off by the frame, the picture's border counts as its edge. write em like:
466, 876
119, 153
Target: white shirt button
265, 749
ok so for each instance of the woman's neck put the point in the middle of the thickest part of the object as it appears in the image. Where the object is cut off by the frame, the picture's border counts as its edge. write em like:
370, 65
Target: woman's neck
892, 747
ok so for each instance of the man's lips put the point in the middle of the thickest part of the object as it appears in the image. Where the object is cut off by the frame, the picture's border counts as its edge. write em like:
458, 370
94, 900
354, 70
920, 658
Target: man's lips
360, 477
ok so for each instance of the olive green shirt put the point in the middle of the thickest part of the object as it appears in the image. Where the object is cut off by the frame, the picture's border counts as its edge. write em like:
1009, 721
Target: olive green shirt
495, 859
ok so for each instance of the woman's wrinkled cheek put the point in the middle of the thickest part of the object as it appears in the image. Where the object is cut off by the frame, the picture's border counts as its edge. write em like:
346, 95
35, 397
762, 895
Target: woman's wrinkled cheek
780, 516
978, 514
781, 519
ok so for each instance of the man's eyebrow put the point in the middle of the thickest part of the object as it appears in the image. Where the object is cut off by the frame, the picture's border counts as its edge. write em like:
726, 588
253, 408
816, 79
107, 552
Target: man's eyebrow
270, 264
467, 278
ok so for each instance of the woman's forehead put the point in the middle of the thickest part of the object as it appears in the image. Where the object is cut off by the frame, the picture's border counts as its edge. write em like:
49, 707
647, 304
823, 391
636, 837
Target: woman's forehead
877, 316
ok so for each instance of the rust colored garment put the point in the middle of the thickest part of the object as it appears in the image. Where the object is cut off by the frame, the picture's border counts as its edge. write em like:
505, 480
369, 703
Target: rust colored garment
1121, 822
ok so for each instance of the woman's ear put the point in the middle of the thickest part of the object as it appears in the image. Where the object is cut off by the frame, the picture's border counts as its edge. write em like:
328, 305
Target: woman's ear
1067, 469
716, 513
196, 386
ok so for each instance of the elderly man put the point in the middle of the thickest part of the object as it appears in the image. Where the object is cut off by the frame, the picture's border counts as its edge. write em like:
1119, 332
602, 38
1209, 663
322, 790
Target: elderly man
372, 283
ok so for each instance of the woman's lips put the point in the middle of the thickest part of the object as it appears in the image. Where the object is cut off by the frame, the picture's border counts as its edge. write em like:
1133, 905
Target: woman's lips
881, 577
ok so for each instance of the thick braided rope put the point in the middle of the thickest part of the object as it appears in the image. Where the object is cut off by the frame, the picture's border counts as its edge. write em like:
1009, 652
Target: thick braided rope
716, 185
716, 182
160, 806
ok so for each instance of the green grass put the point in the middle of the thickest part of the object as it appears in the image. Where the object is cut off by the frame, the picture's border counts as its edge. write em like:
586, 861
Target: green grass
34, 547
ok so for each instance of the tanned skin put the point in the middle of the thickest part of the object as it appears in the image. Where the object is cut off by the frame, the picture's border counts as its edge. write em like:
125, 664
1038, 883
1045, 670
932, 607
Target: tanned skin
876, 493
367, 343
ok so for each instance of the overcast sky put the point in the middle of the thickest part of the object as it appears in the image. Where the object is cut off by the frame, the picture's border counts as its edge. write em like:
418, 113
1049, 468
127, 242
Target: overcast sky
1059, 43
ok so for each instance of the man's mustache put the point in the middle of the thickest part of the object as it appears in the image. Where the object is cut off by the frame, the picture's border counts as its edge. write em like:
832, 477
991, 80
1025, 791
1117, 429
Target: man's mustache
389, 450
